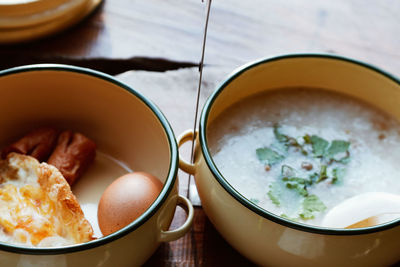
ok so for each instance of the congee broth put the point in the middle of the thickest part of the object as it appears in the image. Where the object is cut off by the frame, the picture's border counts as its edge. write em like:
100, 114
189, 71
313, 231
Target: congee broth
298, 152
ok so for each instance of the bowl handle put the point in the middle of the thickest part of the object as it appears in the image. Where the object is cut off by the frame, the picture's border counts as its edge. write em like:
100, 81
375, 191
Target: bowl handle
183, 164
166, 236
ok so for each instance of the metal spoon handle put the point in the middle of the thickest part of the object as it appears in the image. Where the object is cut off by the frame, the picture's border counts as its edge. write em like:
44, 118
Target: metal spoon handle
192, 192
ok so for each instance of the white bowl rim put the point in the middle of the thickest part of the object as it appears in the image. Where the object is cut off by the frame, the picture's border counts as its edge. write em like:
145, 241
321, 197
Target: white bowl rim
162, 197
246, 202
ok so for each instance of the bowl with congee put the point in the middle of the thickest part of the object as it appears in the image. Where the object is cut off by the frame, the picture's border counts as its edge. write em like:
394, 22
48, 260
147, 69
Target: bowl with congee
296, 162
88, 170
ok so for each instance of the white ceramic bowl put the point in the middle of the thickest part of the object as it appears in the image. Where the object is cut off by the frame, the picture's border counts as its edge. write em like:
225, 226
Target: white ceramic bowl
259, 235
130, 133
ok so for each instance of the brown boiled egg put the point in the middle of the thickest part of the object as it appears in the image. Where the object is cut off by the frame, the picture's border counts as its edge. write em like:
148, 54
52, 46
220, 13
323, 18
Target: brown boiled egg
126, 199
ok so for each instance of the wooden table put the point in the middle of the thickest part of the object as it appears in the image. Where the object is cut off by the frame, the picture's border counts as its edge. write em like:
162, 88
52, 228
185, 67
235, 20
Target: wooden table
155, 47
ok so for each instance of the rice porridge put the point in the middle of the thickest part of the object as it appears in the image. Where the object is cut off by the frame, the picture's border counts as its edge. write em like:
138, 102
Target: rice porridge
299, 152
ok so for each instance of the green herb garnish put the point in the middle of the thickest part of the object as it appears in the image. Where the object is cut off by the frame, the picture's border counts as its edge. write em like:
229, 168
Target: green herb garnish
322, 173
298, 187
313, 177
287, 140
318, 145
330, 155
338, 174
288, 176
279, 136
310, 205
273, 193
307, 139
338, 150
297, 180
268, 156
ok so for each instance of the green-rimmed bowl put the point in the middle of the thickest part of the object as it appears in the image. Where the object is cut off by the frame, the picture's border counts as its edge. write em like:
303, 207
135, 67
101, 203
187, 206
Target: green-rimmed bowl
259, 235
131, 134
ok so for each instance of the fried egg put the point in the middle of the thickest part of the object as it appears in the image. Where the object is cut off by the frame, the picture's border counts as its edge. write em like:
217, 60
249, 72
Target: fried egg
37, 206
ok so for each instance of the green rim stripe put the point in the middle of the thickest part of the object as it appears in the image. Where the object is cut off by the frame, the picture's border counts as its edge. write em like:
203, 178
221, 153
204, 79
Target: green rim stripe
244, 201
168, 185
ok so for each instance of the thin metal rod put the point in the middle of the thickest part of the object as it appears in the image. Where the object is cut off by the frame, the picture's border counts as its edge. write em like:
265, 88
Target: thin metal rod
199, 87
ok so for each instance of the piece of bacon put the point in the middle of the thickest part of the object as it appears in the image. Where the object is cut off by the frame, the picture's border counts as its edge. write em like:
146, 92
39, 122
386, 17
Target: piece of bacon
38, 143
72, 155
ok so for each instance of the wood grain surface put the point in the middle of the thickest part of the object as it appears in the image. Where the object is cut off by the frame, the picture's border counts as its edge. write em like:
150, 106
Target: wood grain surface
155, 45
239, 31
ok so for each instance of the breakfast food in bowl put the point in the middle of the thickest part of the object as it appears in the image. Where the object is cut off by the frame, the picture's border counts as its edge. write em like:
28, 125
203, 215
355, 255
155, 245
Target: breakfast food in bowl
71, 100
282, 142
38, 143
299, 152
71, 153
37, 206
126, 199
37, 199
